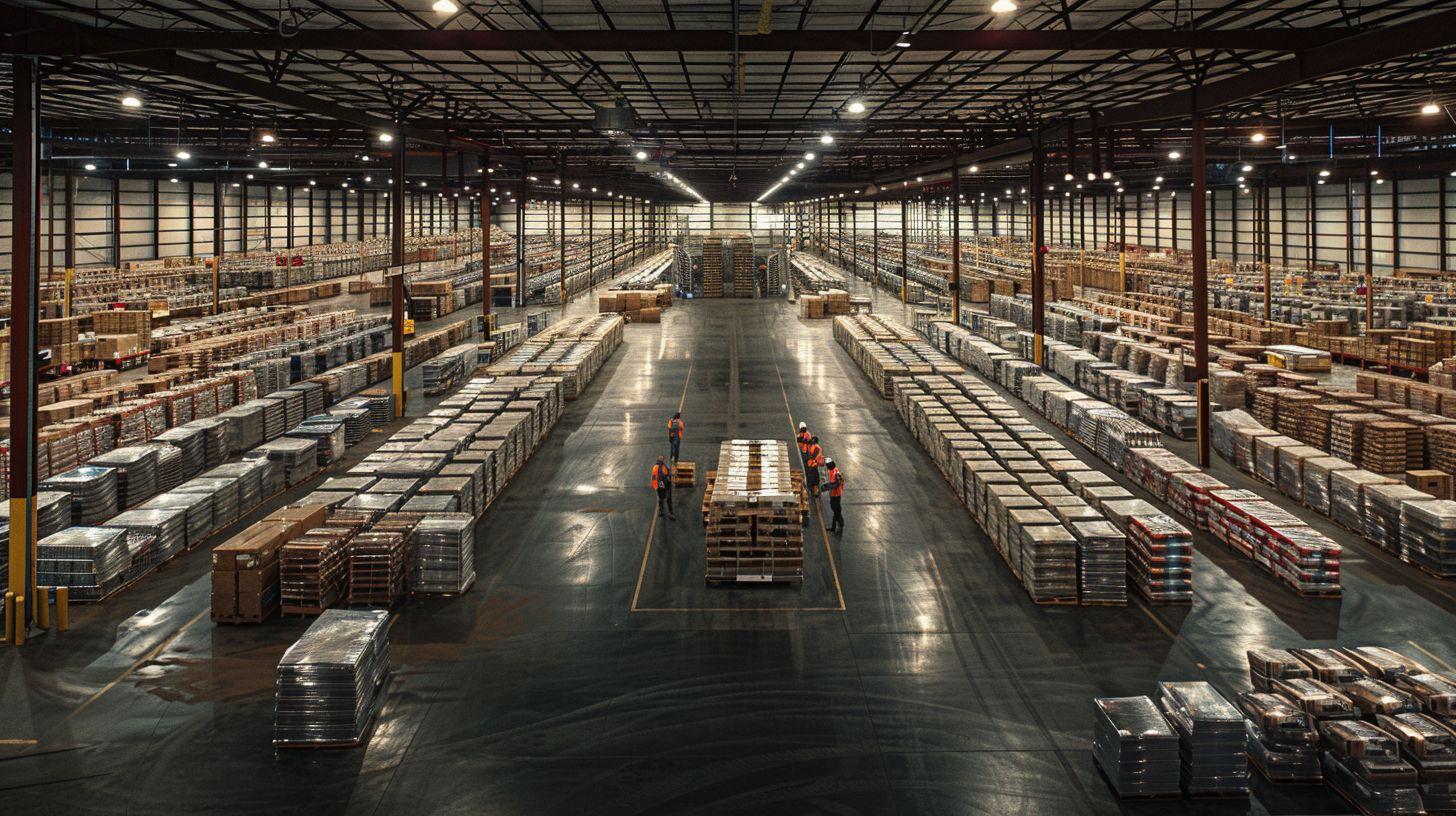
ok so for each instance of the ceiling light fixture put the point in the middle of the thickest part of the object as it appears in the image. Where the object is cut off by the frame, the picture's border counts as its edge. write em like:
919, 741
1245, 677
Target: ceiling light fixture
131, 101
809, 155
1431, 108
641, 155
826, 139
93, 167
267, 138
1248, 168
856, 107
445, 7
1174, 155
904, 41
262, 165
1257, 137
386, 138
1003, 6
1323, 174
183, 155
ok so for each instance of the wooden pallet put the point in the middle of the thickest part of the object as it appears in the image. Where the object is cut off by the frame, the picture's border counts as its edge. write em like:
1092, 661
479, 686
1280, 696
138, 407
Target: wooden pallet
685, 474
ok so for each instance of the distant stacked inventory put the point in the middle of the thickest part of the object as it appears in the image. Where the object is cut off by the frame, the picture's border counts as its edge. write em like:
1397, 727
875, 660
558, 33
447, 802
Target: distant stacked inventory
754, 511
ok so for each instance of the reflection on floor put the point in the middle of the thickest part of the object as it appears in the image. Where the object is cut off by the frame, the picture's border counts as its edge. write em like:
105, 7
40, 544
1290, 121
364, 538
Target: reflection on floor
590, 673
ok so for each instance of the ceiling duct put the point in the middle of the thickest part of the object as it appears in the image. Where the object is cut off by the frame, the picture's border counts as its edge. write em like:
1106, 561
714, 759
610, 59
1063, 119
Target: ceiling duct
618, 120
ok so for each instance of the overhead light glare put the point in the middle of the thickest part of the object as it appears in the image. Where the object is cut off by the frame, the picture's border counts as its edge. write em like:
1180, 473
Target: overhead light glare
904, 40
1257, 137
809, 155
90, 167
1248, 168
386, 138
183, 155
131, 101
1323, 174
826, 139
856, 107
1174, 155
267, 138
1430, 108
1003, 7
641, 155
445, 7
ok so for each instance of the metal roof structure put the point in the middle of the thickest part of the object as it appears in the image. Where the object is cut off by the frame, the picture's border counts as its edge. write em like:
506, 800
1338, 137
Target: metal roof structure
728, 98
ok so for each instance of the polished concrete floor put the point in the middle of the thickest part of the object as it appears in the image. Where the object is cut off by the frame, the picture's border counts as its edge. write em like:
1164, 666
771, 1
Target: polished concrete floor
591, 671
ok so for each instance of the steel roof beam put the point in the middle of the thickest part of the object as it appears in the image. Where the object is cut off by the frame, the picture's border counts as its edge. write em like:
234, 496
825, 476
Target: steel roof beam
44, 35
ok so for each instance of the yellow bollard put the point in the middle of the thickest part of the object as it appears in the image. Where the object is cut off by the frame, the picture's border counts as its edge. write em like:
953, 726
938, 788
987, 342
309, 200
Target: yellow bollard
9, 616
18, 617
43, 607
63, 608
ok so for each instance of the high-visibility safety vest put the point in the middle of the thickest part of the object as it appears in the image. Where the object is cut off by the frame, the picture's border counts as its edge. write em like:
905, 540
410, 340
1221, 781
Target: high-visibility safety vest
660, 477
816, 456
804, 438
836, 482
674, 428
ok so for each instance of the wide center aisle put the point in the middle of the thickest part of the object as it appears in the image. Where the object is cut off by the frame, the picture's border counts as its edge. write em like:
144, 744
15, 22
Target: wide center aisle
593, 669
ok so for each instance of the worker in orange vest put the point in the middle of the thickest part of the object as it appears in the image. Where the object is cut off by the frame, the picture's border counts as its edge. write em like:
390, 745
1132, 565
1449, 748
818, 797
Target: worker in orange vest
812, 465
835, 481
803, 439
662, 483
675, 434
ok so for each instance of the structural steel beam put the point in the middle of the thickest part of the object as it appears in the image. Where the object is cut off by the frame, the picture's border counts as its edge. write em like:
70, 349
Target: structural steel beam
1358, 50
44, 35
1200, 286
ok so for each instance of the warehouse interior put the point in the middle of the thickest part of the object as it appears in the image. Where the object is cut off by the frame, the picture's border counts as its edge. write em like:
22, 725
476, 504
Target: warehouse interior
609, 407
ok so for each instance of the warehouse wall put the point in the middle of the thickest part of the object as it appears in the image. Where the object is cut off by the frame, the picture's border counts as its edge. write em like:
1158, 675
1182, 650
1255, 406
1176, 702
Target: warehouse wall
157, 218
1161, 219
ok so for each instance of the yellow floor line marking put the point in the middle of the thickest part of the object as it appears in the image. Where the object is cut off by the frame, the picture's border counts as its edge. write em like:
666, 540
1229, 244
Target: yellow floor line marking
1159, 621
1427, 653
138, 663
18, 741
833, 568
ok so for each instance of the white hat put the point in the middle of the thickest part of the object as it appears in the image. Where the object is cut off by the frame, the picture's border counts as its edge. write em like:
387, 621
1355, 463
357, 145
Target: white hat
803, 427
829, 460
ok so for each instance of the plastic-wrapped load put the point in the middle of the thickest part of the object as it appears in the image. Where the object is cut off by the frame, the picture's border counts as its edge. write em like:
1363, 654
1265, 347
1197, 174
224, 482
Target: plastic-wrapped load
1428, 536
1347, 495
224, 493
1135, 747
1319, 700
93, 492
1435, 693
443, 560
1317, 473
91, 561
170, 466
357, 423
1212, 742
1269, 665
1382, 513
1048, 560
1382, 663
152, 537
216, 440
52, 512
299, 457
197, 510
1266, 456
191, 441
1430, 748
1281, 739
1329, 665
329, 681
1291, 469
244, 424
1363, 763
136, 473
1374, 697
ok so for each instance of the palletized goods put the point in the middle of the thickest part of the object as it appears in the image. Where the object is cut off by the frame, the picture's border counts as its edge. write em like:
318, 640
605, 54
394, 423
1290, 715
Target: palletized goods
1281, 740
444, 555
329, 681
93, 492
1281, 543
1211, 738
1135, 747
1363, 763
91, 561
754, 515
1428, 535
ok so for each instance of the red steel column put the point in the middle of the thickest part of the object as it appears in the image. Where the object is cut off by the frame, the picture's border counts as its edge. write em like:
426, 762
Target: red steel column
485, 248
1200, 286
24, 283
1038, 266
955, 242
396, 283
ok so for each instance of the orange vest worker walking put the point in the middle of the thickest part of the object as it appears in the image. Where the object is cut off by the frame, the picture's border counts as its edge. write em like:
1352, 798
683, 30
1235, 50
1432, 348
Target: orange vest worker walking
675, 434
812, 465
803, 440
662, 483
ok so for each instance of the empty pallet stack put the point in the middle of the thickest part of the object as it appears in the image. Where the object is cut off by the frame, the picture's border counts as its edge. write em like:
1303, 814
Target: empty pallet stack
713, 267
741, 250
754, 513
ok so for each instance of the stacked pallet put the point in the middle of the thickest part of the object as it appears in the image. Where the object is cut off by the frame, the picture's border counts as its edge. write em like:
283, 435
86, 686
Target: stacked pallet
574, 349
713, 267
1391, 447
754, 516
744, 272
314, 570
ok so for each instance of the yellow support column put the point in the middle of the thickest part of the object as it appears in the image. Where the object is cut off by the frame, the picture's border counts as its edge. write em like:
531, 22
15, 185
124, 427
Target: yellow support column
70, 279
397, 382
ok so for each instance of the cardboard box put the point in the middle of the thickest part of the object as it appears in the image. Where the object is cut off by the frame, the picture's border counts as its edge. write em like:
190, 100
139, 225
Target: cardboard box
253, 547
300, 517
115, 346
652, 314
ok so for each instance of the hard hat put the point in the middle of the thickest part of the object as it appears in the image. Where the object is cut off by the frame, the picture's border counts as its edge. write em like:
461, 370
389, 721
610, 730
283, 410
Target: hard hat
829, 460
803, 426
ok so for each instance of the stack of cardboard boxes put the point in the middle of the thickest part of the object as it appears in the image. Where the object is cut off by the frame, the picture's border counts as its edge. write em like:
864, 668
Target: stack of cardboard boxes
245, 587
637, 305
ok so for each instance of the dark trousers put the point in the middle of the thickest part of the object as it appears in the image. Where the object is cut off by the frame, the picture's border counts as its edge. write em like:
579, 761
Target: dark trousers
811, 479
837, 524
665, 495
674, 443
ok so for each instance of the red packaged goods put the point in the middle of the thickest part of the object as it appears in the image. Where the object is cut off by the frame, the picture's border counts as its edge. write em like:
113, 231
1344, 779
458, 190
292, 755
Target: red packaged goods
1302, 557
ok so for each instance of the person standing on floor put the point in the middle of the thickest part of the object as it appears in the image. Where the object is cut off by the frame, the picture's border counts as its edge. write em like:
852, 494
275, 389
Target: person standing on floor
803, 440
835, 482
812, 465
675, 434
662, 483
